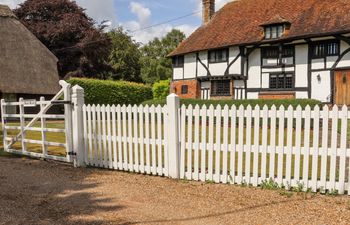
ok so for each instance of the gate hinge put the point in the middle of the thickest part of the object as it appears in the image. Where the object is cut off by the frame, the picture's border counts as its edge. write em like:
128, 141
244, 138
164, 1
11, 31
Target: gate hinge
72, 153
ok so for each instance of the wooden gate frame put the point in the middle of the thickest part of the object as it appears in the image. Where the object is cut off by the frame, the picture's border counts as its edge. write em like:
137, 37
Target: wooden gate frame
44, 107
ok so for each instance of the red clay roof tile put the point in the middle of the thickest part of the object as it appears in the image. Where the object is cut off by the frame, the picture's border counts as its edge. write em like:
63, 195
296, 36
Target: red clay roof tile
239, 22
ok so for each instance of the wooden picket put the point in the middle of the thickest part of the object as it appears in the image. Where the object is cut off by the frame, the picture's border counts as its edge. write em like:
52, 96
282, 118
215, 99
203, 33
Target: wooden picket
287, 145
242, 145
129, 138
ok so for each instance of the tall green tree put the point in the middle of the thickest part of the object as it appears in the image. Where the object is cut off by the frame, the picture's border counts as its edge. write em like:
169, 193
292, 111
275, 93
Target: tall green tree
80, 45
125, 56
155, 65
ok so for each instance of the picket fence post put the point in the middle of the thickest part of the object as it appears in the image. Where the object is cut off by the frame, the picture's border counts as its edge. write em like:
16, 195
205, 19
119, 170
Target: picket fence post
173, 104
78, 126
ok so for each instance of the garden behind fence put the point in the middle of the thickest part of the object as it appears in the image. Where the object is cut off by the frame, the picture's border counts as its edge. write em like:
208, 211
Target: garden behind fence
291, 147
295, 147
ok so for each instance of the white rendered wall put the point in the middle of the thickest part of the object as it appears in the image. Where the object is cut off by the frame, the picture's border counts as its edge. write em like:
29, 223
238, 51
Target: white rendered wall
217, 69
203, 56
254, 69
301, 95
235, 67
345, 62
321, 89
178, 73
190, 66
252, 95
301, 67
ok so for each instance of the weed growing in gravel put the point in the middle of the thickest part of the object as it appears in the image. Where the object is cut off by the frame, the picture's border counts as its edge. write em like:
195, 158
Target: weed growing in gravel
333, 193
270, 184
288, 194
210, 182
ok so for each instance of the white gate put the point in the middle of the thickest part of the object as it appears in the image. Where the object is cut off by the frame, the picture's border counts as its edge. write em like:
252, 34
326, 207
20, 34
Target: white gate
29, 134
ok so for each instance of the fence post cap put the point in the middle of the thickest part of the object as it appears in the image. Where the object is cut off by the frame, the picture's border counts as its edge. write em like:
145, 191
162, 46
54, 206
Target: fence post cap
64, 84
172, 96
77, 88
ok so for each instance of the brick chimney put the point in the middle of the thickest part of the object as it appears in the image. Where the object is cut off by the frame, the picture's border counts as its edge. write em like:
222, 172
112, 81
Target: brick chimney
208, 10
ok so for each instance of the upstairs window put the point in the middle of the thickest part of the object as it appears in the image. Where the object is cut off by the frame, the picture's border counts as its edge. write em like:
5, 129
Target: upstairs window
276, 56
324, 49
221, 88
273, 32
217, 56
178, 61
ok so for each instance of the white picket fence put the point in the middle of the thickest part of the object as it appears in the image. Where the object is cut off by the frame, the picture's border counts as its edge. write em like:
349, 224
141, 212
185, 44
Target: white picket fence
226, 145
126, 138
293, 147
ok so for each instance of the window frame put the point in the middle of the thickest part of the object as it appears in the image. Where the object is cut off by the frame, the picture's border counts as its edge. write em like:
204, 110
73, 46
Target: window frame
184, 89
284, 75
216, 59
279, 55
177, 63
326, 46
271, 28
215, 92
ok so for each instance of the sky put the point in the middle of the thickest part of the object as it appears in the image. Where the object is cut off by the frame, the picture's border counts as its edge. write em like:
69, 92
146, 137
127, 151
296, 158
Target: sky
135, 15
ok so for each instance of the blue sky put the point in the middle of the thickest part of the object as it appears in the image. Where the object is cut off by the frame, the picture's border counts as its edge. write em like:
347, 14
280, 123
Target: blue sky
138, 14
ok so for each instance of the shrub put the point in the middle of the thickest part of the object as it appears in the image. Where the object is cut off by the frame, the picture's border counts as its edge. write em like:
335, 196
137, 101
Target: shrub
253, 102
161, 89
112, 92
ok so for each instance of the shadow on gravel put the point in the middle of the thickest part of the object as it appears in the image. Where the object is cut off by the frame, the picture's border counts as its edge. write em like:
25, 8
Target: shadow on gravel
216, 215
37, 192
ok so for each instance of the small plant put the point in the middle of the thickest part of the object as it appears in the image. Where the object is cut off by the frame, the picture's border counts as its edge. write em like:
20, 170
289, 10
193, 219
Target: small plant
333, 192
269, 184
244, 183
288, 194
210, 182
230, 177
299, 188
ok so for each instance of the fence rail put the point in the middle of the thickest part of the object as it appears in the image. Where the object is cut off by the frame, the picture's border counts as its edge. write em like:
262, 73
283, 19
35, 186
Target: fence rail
129, 138
295, 147
301, 147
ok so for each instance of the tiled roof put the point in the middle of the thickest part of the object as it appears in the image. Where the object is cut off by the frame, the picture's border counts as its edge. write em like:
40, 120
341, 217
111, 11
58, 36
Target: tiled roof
239, 22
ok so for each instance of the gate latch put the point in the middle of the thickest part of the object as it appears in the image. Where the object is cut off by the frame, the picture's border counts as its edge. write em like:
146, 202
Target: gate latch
72, 153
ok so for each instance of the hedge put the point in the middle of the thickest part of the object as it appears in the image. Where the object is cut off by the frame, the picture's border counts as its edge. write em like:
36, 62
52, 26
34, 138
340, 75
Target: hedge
161, 89
253, 102
112, 92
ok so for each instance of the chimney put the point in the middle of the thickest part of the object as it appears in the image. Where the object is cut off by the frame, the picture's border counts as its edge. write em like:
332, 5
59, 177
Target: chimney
208, 10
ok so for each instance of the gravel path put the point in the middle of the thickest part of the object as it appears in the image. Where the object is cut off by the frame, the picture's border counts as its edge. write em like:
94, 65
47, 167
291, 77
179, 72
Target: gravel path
39, 192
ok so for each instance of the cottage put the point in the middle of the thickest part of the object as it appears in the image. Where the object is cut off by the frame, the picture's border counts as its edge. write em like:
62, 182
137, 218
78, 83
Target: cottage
27, 68
267, 49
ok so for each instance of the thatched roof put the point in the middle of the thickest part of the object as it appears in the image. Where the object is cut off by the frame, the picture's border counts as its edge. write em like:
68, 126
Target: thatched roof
26, 65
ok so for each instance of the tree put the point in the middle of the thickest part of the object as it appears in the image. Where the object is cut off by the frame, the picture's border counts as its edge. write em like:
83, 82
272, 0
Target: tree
81, 47
124, 57
155, 65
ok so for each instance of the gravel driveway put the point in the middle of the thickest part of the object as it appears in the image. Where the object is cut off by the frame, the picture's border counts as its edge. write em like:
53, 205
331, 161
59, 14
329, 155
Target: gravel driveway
39, 192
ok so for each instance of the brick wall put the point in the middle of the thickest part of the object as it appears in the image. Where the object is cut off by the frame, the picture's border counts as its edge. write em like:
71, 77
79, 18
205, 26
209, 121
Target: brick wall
193, 88
277, 95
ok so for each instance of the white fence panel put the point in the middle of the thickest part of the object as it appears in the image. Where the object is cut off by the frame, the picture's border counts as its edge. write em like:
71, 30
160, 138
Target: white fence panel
247, 146
129, 138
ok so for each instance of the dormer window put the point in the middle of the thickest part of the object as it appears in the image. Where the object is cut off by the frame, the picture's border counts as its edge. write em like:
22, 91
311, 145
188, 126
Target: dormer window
274, 31
275, 27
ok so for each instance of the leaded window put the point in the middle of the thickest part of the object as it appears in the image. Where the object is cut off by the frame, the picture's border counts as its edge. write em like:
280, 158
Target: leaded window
221, 88
281, 81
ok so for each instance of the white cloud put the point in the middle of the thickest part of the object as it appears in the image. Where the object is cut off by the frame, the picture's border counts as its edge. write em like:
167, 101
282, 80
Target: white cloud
143, 15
